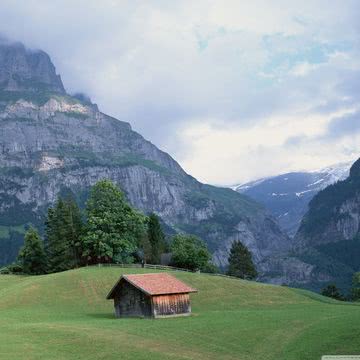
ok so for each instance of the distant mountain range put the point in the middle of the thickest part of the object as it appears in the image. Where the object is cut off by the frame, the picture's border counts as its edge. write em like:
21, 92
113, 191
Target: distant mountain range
287, 195
327, 243
323, 209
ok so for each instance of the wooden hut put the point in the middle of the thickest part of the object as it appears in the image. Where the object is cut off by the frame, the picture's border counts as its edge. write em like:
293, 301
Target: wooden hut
151, 295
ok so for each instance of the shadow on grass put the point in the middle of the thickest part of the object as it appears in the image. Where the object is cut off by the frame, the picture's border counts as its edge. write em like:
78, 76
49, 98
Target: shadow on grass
113, 317
102, 316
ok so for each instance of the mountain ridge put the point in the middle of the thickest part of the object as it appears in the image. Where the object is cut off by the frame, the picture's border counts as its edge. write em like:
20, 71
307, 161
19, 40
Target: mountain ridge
287, 195
326, 248
22, 69
53, 143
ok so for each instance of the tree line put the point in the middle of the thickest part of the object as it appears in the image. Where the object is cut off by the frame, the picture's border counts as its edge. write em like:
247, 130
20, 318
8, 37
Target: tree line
111, 231
332, 291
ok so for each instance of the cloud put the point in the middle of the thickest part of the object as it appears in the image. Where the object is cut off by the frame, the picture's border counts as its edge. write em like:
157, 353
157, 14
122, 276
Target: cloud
243, 77
344, 126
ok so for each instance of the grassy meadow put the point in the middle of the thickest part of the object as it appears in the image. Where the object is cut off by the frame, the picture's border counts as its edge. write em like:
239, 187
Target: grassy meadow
65, 316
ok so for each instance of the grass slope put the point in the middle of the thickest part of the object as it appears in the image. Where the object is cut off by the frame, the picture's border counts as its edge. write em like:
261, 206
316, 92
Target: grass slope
65, 316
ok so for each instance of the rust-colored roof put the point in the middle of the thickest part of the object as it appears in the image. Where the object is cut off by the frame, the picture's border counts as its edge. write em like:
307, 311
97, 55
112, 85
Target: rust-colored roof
155, 284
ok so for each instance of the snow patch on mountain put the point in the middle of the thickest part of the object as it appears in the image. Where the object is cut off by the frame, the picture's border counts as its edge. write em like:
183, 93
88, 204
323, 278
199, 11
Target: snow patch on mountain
287, 195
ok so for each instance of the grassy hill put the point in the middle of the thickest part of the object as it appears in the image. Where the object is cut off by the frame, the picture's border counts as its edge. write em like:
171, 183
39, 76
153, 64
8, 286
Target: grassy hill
65, 316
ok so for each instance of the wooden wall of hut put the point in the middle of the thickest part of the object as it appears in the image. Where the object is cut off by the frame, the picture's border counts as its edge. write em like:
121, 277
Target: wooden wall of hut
174, 304
129, 301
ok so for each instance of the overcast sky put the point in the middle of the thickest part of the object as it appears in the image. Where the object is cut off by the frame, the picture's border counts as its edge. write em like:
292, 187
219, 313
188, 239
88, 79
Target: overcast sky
233, 90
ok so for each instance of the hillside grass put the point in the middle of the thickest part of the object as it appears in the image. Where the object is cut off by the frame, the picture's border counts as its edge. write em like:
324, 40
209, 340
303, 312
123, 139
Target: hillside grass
66, 316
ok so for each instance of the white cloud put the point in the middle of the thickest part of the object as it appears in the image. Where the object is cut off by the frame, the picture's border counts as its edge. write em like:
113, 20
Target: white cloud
219, 155
303, 68
227, 80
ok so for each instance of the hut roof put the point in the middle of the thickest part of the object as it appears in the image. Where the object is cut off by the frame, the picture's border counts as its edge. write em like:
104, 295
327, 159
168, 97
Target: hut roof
154, 284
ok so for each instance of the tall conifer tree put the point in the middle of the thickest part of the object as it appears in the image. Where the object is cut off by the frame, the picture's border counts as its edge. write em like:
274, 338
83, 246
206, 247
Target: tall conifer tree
63, 231
240, 262
32, 255
156, 238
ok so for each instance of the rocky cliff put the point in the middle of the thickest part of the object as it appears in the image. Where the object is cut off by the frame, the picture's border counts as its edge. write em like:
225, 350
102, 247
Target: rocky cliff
22, 69
52, 143
334, 213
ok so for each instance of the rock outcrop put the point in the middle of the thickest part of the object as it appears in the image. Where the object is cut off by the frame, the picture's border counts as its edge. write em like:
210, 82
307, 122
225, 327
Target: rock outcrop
25, 70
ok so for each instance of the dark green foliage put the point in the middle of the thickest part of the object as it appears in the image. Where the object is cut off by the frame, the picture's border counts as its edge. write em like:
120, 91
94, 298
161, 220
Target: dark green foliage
346, 252
240, 262
15, 268
332, 291
210, 268
189, 252
32, 254
74, 229
63, 231
113, 229
355, 291
339, 260
145, 251
324, 263
156, 238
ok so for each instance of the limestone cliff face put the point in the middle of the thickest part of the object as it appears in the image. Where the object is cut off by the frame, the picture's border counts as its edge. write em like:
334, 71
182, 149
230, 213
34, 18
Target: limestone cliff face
52, 143
62, 145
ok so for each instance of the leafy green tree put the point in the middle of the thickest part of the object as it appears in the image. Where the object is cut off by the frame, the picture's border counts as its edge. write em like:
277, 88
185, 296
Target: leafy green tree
355, 291
156, 238
189, 252
63, 229
240, 262
32, 257
332, 291
113, 229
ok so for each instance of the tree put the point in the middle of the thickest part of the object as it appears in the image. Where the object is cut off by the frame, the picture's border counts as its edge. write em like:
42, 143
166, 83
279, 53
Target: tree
240, 262
74, 227
189, 252
355, 291
32, 256
332, 291
145, 250
113, 229
63, 229
156, 238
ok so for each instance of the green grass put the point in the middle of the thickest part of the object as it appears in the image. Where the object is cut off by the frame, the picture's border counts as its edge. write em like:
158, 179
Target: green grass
65, 316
